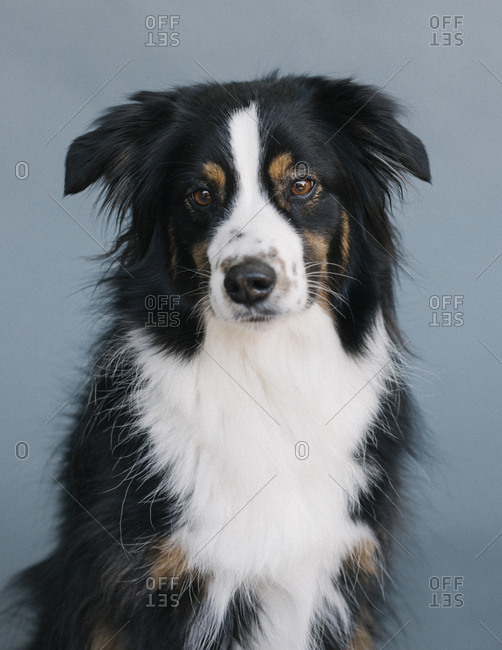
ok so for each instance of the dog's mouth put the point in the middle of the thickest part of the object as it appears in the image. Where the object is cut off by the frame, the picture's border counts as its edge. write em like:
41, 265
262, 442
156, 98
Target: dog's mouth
253, 315
262, 317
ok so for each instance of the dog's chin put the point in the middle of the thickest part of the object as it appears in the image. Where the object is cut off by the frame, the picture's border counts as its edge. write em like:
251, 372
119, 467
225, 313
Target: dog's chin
254, 319
259, 322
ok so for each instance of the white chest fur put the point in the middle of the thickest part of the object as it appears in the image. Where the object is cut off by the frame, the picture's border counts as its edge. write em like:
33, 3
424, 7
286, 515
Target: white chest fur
228, 422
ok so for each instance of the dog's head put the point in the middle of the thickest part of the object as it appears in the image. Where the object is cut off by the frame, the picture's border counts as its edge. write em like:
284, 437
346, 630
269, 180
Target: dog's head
252, 201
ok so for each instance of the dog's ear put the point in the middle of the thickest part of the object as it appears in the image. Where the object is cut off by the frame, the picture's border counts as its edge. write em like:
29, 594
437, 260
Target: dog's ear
368, 118
115, 148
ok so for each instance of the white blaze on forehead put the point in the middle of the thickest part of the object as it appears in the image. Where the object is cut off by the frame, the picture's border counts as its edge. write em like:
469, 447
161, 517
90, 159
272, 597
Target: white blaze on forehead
255, 228
245, 147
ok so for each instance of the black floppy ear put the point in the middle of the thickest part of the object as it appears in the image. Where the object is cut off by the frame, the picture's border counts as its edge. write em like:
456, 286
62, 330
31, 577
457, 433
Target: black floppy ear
395, 150
369, 119
114, 149
86, 161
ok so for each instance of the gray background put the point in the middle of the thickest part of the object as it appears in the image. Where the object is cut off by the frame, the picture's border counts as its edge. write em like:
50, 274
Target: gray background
60, 64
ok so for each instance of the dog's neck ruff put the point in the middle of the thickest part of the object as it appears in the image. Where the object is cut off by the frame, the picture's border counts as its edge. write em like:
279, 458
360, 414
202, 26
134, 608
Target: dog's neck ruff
226, 426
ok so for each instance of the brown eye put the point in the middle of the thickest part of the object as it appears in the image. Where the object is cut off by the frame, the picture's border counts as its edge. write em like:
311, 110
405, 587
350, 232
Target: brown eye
302, 187
202, 197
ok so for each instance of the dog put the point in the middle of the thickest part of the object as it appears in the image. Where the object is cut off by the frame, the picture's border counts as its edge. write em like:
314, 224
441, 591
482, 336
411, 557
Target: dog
232, 475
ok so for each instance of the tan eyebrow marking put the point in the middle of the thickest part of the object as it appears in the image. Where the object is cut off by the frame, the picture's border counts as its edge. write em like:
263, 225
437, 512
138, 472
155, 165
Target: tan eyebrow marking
215, 173
280, 166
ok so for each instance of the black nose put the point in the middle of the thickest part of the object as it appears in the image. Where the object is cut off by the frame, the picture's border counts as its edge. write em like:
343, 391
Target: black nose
249, 282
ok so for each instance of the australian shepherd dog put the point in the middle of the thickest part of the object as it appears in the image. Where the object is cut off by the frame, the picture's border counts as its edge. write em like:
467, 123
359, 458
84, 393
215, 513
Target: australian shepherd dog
231, 480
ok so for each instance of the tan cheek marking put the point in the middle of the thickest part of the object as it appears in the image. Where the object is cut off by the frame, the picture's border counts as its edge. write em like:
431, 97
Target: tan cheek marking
317, 246
316, 249
345, 238
216, 175
199, 254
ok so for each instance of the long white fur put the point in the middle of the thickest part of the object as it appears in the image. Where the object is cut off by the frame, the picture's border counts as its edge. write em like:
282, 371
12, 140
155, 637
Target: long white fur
223, 428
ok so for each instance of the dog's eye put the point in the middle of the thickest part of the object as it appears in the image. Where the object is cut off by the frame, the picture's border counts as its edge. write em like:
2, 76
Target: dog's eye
302, 187
202, 197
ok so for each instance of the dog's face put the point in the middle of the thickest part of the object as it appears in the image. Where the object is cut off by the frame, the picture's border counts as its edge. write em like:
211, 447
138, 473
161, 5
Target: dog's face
266, 221
257, 199
255, 253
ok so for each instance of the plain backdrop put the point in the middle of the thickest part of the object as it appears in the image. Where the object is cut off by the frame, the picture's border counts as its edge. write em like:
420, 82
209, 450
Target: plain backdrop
63, 63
